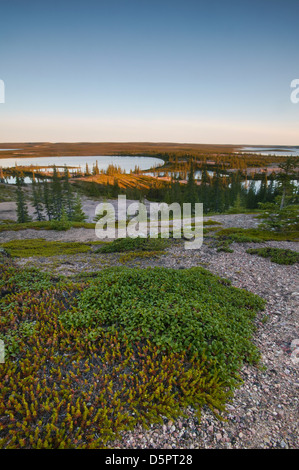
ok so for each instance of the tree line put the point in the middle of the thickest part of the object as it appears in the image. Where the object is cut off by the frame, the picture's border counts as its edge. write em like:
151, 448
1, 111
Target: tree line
216, 192
56, 200
53, 201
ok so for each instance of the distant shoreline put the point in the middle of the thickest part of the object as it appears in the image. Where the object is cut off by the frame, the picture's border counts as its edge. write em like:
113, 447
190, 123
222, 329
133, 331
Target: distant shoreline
146, 149
40, 149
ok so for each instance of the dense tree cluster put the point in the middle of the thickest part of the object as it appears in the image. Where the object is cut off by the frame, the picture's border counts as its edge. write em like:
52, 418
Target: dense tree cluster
216, 192
54, 200
219, 190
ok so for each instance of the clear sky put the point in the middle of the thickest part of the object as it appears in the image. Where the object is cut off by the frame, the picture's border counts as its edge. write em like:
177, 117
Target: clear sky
204, 71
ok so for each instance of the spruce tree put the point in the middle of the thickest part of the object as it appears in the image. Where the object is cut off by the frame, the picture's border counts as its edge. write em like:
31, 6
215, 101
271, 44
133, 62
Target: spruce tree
87, 172
78, 215
37, 200
289, 173
95, 170
237, 207
251, 200
191, 189
217, 196
48, 201
56, 195
204, 189
68, 196
262, 192
22, 210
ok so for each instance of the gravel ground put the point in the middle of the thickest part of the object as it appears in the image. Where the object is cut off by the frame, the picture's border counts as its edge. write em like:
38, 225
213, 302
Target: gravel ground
85, 235
264, 411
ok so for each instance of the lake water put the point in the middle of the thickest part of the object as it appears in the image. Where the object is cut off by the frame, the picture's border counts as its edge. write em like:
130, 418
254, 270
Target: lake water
277, 151
125, 163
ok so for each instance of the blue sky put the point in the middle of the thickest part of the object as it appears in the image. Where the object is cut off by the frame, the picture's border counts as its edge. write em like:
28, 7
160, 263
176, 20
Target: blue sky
121, 70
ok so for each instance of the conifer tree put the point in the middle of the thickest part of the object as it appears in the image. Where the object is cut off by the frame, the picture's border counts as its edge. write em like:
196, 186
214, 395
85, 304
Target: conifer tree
217, 200
204, 188
87, 172
289, 172
68, 196
95, 170
262, 192
191, 189
37, 200
47, 199
251, 200
22, 210
78, 215
56, 195
237, 207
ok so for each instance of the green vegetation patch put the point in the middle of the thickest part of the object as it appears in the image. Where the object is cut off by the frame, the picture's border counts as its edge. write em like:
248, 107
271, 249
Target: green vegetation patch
27, 279
278, 219
225, 237
256, 234
87, 360
40, 247
175, 309
277, 255
121, 245
42, 225
211, 222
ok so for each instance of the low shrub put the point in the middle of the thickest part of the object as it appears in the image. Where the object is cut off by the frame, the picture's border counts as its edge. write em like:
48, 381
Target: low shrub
278, 219
256, 234
41, 225
174, 309
121, 245
211, 222
277, 255
225, 237
87, 360
27, 279
60, 225
40, 247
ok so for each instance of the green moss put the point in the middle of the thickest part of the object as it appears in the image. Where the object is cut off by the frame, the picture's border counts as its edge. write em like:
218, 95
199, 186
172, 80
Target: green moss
43, 225
224, 246
211, 222
121, 245
40, 247
277, 255
256, 235
225, 237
